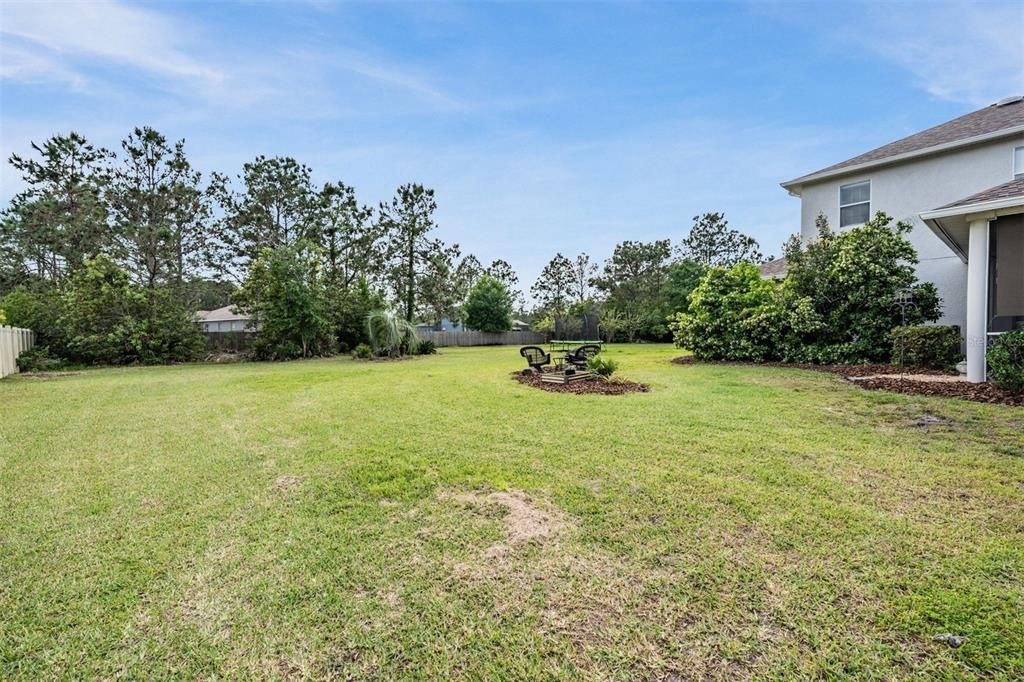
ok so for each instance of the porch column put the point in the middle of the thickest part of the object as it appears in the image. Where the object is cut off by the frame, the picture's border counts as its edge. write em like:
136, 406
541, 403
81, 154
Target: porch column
977, 300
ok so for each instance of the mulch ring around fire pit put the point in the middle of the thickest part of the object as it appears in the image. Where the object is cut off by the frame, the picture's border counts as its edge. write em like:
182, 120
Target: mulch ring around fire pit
591, 386
907, 380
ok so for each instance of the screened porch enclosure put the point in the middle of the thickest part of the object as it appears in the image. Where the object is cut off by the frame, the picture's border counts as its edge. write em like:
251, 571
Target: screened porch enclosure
1006, 274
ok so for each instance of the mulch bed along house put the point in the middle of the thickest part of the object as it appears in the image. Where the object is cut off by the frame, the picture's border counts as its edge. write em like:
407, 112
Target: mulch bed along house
591, 386
907, 380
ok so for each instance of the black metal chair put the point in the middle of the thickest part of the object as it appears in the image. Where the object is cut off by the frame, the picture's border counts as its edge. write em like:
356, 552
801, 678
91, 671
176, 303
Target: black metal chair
535, 357
578, 358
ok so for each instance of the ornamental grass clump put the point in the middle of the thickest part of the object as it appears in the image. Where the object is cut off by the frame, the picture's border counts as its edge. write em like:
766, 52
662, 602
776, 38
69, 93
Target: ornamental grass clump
390, 334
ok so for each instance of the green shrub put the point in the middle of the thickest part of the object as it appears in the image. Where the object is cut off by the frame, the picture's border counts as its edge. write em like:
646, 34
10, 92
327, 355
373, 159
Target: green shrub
424, 347
286, 296
363, 351
39, 360
733, 315
489, 306
37, 308
602, 366
1006, 361
846, 284
349, 307
930, 346
108, 320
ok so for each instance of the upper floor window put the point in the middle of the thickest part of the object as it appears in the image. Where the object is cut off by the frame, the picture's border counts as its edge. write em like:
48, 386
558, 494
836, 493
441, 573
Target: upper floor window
854, 203
1018, 163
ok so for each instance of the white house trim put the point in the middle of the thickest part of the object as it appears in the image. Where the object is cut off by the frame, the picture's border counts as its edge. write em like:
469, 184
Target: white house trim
977, 300
793, 186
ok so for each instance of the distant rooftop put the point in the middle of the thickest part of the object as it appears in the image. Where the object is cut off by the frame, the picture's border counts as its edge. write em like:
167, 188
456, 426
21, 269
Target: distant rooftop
774, 269
224, 314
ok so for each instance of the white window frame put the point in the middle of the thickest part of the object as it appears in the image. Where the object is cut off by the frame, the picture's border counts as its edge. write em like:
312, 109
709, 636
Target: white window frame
1018, 171
839, 196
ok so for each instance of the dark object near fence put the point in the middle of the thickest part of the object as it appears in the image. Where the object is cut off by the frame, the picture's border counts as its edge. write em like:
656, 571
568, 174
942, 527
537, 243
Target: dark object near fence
535, 357
578, 358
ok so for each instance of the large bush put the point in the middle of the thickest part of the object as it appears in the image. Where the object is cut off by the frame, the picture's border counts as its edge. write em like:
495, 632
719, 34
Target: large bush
100, 317
287, 299
1006, 361
348, 310
733, 315
106, 319
489, 306
835, 306
840, 291
37, 308
932, 346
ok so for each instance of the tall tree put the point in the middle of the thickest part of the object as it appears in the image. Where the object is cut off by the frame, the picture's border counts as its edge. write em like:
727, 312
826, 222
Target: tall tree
711, 242
351, 241
408, 219
438, 287
276, 206
554, 287
583, 273
502, 271
60, 219
159, 209
633, 280
635, 273
489, 306
286, 296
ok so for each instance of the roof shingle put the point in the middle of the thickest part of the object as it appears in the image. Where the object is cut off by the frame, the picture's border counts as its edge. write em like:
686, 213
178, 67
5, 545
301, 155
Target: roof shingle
1008, 113
1007, 190
774, 269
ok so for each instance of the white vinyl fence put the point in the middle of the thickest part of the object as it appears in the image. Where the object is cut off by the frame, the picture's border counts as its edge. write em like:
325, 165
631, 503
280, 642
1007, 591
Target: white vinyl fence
468, 338
13, 342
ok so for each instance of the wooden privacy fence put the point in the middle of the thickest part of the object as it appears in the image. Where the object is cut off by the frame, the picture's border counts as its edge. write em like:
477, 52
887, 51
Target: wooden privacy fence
468, 338
13, 342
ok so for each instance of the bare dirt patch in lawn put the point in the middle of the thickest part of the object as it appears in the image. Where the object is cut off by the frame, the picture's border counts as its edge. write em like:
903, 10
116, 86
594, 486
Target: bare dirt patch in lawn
525, 519
591, 386
287, 484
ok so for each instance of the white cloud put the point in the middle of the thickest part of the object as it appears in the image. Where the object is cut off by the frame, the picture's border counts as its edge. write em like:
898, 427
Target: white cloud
391, 76
103, 29
959, 52
26, 65
955, 51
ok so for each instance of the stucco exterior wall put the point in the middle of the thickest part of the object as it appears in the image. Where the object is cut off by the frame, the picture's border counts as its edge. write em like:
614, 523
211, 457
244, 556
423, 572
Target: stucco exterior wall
905, 190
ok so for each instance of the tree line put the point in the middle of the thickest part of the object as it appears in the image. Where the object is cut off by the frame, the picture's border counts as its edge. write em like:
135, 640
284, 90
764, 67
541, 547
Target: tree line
168, 241
641, 285
107, 256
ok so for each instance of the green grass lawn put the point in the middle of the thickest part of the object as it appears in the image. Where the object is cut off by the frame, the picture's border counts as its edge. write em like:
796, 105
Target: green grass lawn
340, 519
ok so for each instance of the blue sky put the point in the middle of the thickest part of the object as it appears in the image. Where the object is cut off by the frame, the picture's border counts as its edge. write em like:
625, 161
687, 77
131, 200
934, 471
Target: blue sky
542, 127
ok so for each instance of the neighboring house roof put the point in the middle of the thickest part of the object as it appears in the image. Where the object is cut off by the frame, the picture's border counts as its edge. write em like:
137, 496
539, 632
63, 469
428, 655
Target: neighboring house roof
1001, 119
225, 314
774, 269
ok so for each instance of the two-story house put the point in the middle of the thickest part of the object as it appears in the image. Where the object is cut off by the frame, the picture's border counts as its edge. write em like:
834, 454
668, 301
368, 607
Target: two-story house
961, 184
